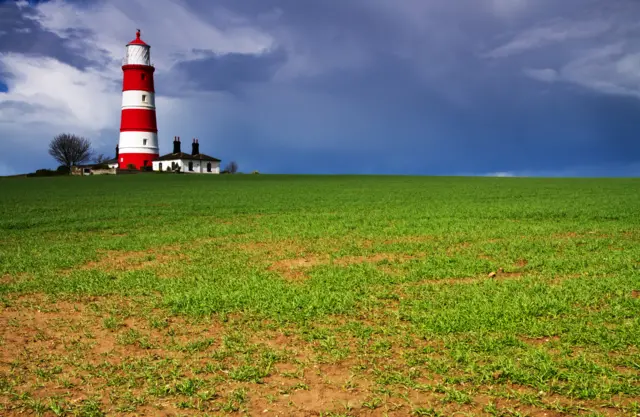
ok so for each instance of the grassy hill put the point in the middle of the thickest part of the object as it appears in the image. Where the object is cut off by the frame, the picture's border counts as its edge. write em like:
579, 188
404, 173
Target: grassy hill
302, 295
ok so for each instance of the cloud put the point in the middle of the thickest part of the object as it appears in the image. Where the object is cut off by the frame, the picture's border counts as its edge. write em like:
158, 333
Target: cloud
63, 95
177, 33
229, 71
509, 8
630, 170
546, 74
594, 48
559, 30
501, 174
610, 69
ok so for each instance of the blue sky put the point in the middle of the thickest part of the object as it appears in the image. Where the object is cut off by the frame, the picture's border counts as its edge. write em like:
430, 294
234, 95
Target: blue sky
440, 87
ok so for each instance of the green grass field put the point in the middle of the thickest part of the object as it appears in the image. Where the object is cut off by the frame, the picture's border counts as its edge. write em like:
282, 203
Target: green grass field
334, 296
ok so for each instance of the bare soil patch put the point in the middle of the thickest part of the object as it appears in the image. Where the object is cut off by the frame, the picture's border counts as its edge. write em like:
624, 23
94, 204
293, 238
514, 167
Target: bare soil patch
295, 268
113, 261
117, 350
539, 340
410, 239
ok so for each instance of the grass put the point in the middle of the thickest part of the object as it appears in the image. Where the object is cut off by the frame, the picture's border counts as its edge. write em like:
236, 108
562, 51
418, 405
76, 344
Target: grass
333, 296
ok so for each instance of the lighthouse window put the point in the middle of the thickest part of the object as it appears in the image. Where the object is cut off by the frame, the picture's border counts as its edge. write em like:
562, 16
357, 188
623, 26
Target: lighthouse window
144, 141
144, 98
142, 76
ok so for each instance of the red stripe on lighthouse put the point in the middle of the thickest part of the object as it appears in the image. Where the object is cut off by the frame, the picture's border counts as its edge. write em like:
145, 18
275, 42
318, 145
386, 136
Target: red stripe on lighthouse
138, 77
137, 159
141, 120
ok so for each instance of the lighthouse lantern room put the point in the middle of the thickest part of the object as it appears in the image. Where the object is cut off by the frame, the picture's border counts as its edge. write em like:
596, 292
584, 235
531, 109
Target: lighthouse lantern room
138, 144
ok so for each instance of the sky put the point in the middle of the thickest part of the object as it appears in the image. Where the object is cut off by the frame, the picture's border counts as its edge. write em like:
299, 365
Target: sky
409, 87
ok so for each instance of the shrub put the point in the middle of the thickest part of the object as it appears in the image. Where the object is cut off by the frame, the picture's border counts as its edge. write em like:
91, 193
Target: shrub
43, 173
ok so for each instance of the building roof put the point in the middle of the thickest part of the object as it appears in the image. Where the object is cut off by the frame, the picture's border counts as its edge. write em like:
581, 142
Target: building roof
111, 161
137, 40
182, 155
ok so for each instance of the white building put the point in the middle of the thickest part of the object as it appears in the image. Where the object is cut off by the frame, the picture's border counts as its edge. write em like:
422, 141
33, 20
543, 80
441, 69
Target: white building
194, 163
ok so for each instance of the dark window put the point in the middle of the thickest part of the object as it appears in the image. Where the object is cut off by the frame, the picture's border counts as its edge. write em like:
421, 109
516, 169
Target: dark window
142, 76
190, 166
160, 165
145, 162
209, 167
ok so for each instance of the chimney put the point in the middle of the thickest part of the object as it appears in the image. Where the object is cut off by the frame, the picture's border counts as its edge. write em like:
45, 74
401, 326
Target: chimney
117, 151
195, 147
176, 144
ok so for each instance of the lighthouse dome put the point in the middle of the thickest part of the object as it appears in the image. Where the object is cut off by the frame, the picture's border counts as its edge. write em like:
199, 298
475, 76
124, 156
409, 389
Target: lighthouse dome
137, 40
137, 52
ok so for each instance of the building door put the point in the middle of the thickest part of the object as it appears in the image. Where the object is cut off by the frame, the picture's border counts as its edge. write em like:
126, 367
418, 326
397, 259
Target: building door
209, 167
190, 166
160, 166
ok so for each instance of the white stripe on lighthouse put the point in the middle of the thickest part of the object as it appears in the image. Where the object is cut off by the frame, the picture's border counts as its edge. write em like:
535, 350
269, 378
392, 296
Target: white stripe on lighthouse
140, 99
138, 142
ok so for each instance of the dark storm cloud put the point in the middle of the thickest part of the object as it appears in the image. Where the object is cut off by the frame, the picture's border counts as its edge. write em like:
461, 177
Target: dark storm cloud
19, 33
228, 72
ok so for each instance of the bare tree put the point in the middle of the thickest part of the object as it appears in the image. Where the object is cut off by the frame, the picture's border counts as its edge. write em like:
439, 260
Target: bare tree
70, 149
232, 167
100, 158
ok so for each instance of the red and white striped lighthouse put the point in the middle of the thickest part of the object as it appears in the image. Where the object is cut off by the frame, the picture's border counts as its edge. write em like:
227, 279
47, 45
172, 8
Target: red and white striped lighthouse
138, 144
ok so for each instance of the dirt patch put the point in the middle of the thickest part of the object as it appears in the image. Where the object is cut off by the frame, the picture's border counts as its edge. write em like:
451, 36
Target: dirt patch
635, 293
128, 355
537, 341
295, 268
460, 247
12, 279
410, 239
486, 257
123, 261
79, 349
273, 250
521, 263
567, 235
498, 275
6, 279
375, 258
501, 274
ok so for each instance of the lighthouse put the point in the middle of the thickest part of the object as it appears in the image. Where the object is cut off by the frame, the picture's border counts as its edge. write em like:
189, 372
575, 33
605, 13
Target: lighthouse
138, 143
